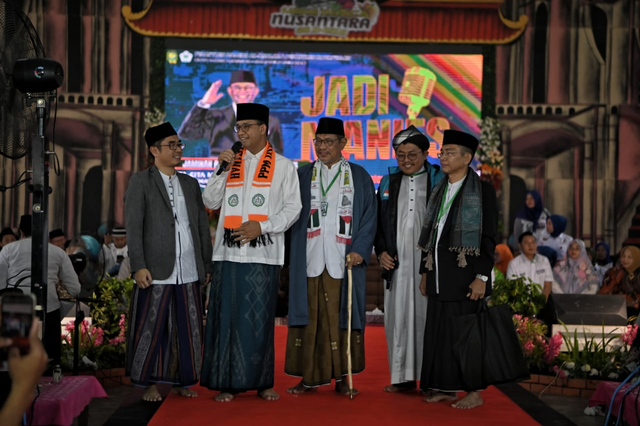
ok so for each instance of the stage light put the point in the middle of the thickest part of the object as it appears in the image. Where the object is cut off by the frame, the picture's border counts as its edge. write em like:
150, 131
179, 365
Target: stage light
37, 75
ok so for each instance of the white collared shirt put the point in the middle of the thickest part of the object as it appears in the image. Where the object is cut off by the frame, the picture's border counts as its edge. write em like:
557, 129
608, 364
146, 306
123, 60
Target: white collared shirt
15, 269
538, 270
452, 191
284, 209
560, 243
185, 269
411, 200
329, 253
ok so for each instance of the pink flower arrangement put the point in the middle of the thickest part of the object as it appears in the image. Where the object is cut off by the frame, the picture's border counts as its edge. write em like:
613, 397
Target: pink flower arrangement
528, 347
89, 335
561, 373
630, 334
121, 336
553, 348
538, 350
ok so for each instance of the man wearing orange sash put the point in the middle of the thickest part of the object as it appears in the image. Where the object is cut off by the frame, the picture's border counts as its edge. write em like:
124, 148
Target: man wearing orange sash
259, 197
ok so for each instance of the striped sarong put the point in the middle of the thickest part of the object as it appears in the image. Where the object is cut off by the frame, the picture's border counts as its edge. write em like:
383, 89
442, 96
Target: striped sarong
164, 336
238, 348
317, 352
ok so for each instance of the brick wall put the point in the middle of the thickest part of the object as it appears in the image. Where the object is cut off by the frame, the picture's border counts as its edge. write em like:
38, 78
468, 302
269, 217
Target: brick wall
567, 387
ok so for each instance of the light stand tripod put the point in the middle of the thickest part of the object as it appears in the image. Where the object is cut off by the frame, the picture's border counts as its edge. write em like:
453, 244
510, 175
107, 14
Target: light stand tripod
40, 210
38, 78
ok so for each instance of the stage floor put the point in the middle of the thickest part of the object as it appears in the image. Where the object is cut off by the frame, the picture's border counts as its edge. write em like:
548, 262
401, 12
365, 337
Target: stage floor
372, 406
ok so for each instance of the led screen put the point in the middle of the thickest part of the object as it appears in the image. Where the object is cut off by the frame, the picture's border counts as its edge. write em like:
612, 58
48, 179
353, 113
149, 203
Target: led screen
375, 95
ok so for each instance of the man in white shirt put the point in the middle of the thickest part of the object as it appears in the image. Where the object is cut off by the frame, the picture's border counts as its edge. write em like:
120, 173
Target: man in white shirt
170, 257
335, 232
259, 196
402, 205
117, 251
532, 265
15, 272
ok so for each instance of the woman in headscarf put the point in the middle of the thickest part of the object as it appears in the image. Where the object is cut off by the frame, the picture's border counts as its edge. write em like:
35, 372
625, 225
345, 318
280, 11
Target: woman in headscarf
550, 254
554, 235
532, 217
575, 273
602, 260
501, 259
625, 279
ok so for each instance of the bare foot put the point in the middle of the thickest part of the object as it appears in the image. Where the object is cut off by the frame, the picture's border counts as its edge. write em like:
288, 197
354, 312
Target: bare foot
269, 395
441, 396
400, 387
186, 392
224, 397
472, 400
342, 387
152, 394
298, 389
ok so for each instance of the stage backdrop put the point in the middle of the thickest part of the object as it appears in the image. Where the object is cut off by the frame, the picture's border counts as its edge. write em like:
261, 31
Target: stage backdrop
375, 95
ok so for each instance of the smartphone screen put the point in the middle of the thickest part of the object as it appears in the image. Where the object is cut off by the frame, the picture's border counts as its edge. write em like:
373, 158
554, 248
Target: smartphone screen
17, 316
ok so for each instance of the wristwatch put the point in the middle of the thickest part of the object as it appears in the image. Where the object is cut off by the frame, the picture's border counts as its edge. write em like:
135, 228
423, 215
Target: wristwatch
482, 278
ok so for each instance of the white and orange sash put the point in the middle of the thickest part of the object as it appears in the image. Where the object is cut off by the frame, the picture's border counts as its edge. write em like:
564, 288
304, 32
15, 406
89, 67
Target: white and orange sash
258, 209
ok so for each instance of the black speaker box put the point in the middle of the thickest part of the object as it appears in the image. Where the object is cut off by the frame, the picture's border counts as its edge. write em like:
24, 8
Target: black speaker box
587, 309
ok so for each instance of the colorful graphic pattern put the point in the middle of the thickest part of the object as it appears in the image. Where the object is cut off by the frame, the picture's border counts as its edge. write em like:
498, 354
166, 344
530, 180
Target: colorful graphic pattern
375, 95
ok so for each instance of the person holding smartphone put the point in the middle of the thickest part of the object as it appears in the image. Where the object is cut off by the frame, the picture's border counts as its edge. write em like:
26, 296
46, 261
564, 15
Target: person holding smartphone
25, 372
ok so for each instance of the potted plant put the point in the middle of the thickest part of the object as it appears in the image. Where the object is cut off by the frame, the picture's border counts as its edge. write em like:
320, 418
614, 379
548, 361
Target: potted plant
522, 296
102, 342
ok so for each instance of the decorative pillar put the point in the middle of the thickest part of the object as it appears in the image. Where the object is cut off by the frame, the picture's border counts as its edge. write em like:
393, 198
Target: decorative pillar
88, 40
506, 181
70, 163
54, 37
578, 188
114, 49
559, 53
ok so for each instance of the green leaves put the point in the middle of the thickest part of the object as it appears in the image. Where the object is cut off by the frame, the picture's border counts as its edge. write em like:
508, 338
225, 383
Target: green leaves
110, 301
522, 296
592, 356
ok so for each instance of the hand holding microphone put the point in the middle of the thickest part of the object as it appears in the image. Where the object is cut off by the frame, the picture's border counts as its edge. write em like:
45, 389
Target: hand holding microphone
228, 156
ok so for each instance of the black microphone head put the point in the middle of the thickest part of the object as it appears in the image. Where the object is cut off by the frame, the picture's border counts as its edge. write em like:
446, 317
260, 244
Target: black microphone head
236, 147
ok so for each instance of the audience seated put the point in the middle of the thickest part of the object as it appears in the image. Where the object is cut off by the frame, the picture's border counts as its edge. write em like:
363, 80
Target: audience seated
550, 254
602, 260
575, 273
554, 235
624, 278
501, 259
531, 218
6, 237
532, 265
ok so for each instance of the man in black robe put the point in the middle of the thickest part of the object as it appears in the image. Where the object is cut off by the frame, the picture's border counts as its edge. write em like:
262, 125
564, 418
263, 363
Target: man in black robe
458, 238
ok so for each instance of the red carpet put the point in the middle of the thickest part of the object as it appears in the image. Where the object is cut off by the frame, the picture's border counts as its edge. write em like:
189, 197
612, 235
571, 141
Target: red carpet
324, 406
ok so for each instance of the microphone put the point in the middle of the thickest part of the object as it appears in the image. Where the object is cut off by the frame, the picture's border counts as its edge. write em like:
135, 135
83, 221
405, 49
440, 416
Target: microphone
223, 165
417, 88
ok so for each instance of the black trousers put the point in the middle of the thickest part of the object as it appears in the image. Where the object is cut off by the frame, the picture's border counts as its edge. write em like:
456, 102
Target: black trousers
51, 339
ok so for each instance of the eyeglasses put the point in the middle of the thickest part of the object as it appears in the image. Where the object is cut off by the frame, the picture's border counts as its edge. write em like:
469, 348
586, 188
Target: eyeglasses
244, 127
327, 142
413, 155
174, 145
448, 154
